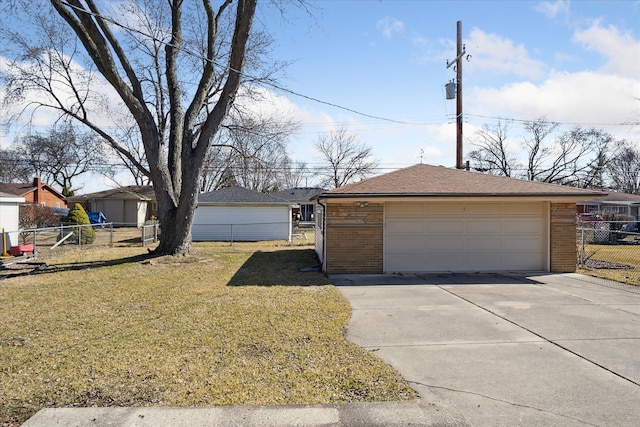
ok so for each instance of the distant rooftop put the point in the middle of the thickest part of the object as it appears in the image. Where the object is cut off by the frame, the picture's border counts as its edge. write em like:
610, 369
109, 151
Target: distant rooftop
239, 195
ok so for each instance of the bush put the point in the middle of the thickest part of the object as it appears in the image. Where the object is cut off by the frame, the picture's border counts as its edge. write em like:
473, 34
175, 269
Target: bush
77, 216
35, 216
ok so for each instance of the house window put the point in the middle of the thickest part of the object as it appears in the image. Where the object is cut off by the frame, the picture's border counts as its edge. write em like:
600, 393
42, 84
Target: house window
58, 205
306, 212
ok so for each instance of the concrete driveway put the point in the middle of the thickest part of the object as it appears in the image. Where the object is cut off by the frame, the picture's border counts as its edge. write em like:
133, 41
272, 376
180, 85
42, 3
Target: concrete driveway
532, 350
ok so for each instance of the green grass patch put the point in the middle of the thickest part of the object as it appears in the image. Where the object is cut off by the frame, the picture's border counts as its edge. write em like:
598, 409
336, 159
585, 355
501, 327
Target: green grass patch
236, 325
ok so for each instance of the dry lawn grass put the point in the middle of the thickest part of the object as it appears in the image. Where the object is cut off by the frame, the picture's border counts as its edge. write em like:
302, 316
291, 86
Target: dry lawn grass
617, 255
236, 325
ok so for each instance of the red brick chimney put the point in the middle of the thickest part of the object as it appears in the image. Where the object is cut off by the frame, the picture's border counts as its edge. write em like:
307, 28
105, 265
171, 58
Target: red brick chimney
38, 184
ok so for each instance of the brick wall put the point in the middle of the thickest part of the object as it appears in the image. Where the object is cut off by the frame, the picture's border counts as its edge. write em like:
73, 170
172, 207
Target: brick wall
563, 237
42, 195
354, 238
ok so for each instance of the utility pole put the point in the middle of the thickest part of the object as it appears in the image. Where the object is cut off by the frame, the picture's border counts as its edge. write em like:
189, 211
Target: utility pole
460, 52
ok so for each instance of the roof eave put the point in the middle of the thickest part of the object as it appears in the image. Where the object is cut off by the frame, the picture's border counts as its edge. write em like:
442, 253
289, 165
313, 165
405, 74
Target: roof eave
453, 195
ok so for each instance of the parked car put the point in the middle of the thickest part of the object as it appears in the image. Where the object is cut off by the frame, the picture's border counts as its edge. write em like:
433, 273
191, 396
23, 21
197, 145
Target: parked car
631, 227
588, 217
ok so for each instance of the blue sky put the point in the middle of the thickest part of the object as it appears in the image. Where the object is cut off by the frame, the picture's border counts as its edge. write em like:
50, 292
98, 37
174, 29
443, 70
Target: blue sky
577, 63
573, 62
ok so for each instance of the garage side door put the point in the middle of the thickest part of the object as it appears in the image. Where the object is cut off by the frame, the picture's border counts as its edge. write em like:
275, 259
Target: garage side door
465, 237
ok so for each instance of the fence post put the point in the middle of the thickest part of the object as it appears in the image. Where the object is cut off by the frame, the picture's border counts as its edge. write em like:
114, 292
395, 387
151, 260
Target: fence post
35, 245
143, 236
231, 243
80, 236
111, 234
582, 245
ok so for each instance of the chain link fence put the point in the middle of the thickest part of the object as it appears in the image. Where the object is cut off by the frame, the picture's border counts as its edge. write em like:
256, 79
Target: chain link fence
296, 233
609, 253
52, 241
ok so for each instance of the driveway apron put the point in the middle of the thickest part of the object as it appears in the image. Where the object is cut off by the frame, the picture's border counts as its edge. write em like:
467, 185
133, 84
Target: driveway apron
531, 350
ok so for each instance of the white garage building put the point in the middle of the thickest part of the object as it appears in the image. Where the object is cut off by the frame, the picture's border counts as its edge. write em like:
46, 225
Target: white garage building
239, 214
9, 218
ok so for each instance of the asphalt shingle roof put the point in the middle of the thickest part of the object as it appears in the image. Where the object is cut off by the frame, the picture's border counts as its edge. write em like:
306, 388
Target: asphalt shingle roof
427, 180
8, 195
239, 195
130, 192
615, 196
23, 188
17, 189
299, 194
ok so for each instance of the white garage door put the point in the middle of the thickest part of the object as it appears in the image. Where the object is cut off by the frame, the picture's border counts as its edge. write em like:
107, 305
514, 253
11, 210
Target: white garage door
465, 237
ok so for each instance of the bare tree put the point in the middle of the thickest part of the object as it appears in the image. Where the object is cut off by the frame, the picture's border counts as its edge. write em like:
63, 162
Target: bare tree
61, 155
294, 174
252, 149
130, 140
348, 159
624, 168
13, 168
493, 155
575, 157
539, 154
176, 69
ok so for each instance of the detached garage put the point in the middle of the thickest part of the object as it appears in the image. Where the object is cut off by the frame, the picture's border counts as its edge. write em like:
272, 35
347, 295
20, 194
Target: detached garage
239, 214
435, 219
9, 218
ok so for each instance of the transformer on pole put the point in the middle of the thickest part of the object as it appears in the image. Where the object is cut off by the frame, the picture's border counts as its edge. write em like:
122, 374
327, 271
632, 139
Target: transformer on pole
454, 90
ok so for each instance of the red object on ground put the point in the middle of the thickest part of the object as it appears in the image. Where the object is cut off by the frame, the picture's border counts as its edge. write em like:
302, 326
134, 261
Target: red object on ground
18, 250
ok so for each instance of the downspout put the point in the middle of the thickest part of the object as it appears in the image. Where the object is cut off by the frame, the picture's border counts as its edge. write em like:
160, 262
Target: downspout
324, 233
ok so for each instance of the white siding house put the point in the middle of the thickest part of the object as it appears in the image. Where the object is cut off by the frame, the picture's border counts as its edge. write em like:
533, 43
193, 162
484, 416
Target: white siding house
239, 214
9, 217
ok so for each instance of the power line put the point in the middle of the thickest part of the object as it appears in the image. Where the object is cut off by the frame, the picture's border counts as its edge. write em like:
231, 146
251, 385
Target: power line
313, 98
512, 119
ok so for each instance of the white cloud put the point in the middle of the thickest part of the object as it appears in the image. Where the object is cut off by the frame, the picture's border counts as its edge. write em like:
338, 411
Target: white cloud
495, 53
586, 97
621, 48
553, 9
388, 26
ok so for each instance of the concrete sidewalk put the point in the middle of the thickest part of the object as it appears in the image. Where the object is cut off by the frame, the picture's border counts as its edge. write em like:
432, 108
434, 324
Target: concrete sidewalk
532, 350
414, 413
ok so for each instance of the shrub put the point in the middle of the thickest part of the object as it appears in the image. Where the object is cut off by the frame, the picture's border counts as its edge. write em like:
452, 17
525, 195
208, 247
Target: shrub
36, 216
77, 216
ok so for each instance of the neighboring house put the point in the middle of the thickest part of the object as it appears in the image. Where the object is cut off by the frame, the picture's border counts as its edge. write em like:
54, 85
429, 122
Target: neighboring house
435, 219
300, 197
614, 202
9, 218
239, 214
129, 206
36, 193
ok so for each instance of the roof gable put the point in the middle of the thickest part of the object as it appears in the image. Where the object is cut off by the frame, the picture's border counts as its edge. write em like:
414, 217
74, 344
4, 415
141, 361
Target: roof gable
427, 180
239, 195
22, 189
